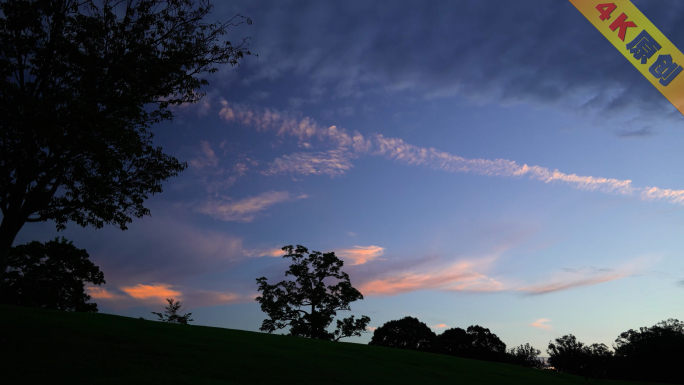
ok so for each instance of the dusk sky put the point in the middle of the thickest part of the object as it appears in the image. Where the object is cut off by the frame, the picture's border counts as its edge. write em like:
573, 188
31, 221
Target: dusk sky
496, 163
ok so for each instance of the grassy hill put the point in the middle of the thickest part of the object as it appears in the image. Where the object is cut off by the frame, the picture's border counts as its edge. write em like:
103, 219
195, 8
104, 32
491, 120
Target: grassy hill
52, 347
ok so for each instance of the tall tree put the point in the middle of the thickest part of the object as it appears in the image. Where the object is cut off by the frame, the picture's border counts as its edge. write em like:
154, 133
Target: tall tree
568, 355
526, 355
82, 83
309, 304
50, 275
486, 345
406, 333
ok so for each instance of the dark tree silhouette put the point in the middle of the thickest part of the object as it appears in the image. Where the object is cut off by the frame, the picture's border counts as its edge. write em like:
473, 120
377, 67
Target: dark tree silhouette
82, 83
50, 275
526, 355
568, 355
172, 313
455, 342
307, 305
651, 354
406, 333
486, 345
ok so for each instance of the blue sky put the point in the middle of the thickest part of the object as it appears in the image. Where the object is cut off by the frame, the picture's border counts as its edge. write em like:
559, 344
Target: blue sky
493, 163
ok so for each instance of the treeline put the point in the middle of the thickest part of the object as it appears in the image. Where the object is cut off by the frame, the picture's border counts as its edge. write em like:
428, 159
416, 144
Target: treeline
475, 342
653, 354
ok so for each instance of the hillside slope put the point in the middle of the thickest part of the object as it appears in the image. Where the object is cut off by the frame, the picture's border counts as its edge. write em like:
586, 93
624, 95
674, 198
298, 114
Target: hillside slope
52, 347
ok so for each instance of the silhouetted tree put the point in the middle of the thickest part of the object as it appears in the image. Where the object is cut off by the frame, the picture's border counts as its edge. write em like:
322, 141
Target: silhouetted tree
568, 355
526, 355
50, 275
455, 342
406, 333
653, 354
486, 345
82, 83
172, 313
307, 305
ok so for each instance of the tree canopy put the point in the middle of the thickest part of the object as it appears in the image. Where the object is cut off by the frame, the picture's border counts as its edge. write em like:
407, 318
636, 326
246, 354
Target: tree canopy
82, 83
50, 275
309, 304
406, 333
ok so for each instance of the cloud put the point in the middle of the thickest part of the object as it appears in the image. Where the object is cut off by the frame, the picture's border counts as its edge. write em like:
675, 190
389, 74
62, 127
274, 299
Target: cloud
640, 133
457, 277
333, 163
102, 293
439, 326
588, 276
542, 323
158, 292
272, 252
244, 209
361, 254
441, 50
371, 328
398, 150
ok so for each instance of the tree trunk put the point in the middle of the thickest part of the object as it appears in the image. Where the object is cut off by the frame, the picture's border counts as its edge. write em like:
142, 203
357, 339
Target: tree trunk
8, 231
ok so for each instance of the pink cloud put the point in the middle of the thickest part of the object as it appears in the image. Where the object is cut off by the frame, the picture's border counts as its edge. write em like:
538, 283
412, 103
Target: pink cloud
457, 277
371, 328
542, 323
102, 293
565, 284
439, 326
244, 210
361, 254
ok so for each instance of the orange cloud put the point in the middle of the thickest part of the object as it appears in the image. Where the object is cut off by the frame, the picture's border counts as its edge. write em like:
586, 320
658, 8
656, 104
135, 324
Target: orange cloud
457, 277
101, 293
371, 328
439, 326
361, 254
542, 323
158, 292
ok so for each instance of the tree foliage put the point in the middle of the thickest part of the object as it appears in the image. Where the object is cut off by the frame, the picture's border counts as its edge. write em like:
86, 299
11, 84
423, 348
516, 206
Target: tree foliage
475, 342
651, 353
526, 355
82, 83
172, 313
309, 304
50, 275
406, 333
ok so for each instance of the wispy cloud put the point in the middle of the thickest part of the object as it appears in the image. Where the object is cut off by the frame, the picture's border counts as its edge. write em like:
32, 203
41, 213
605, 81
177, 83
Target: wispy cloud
244, 209
640, 133
271, 252
333, 163
371, 328
439, 326
542, 323
456, 277
361, 254
102, 293
306, 129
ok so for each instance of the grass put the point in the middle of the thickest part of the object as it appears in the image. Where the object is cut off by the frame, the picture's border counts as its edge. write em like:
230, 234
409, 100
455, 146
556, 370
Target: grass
52, 347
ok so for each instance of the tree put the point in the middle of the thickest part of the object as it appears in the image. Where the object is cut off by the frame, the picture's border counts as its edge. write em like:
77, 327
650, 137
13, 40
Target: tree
526, 355
486, 345
455, 342
50, 275
406, 333
306, 304
172, 313
82, 83
568, 355
651, 354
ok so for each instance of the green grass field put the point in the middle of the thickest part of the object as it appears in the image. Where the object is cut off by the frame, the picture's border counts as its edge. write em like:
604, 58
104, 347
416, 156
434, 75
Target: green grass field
52, 347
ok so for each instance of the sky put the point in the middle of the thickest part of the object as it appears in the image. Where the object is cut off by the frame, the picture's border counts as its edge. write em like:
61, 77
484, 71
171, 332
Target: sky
489, 163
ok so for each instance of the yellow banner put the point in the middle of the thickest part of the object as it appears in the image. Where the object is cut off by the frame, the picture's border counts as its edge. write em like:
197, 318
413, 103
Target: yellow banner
641, 43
